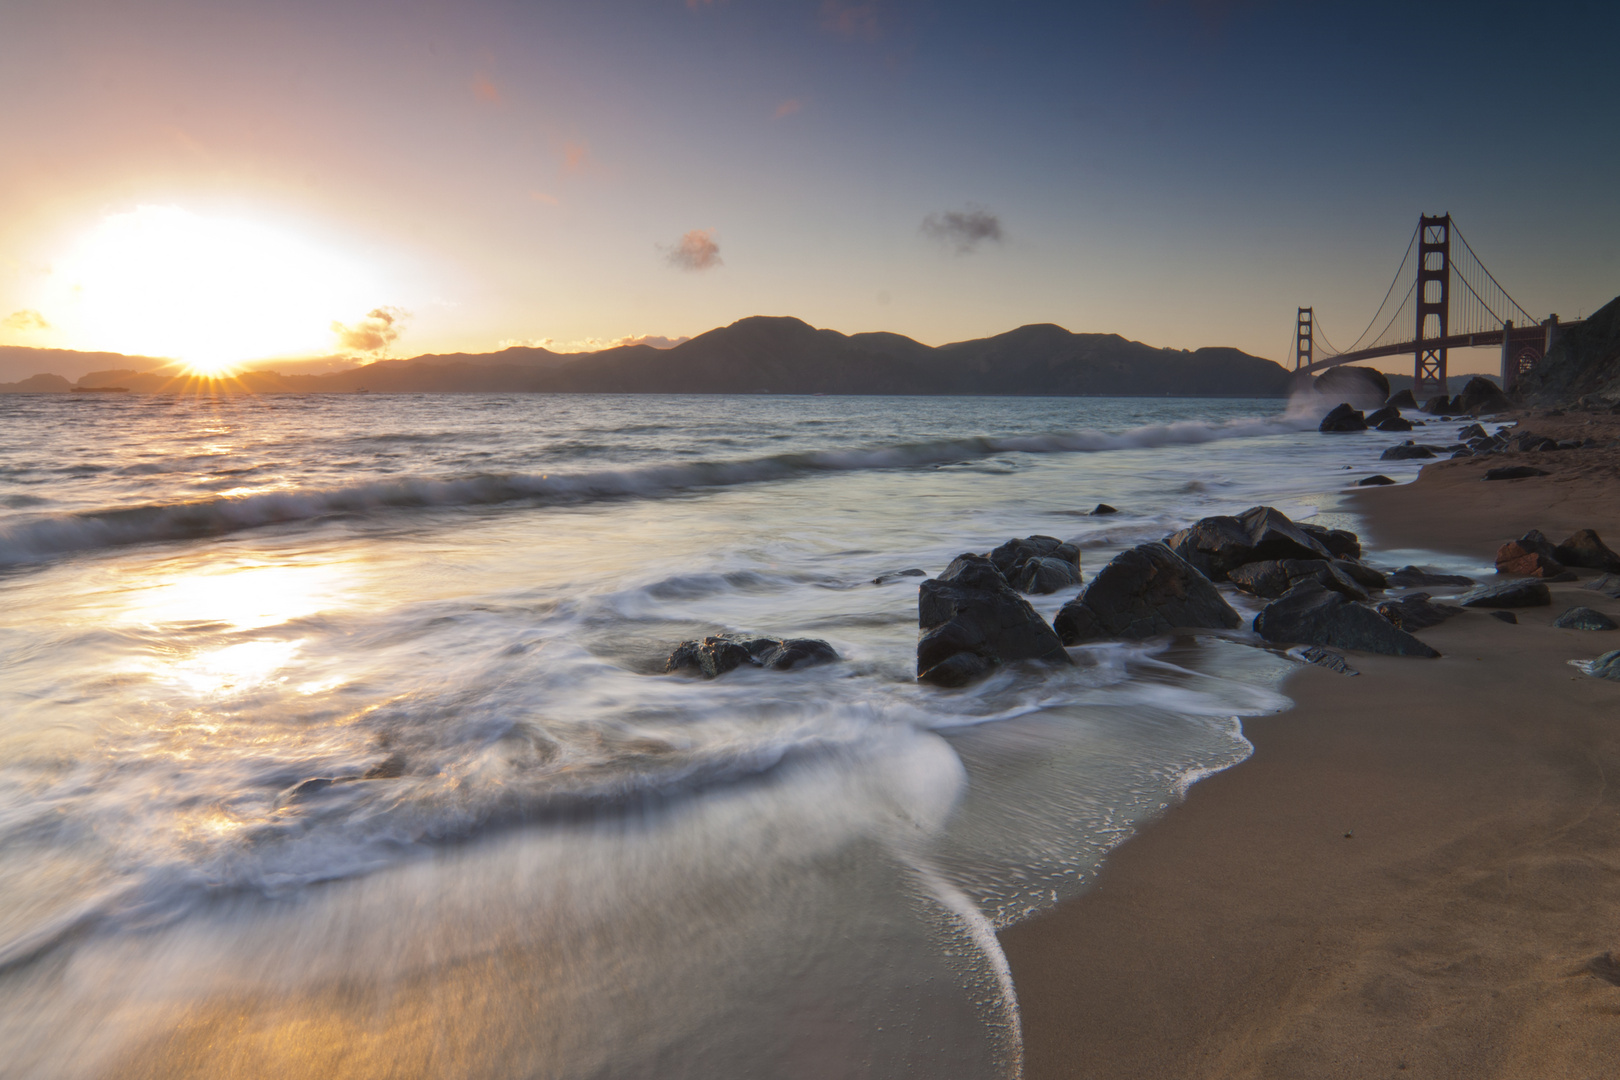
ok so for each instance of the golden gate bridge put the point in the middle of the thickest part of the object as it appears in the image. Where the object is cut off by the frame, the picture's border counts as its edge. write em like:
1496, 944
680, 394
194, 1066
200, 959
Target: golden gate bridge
1441, 298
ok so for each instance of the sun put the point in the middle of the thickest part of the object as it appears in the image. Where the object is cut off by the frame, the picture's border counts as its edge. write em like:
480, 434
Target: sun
210, 292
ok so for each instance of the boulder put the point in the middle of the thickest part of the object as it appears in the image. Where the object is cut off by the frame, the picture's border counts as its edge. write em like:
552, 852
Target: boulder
1472, 431
1315, 654
1340, 543
714, 656
1586, 548
1520, 593
1585, 618
1408, 576
1515, 472
1415, 612
1313, 615
1406, 451
1216, 545
1376, 480
1505, 616
1388, 412
1273, 578
1038, 564
1531, 555
1481, 397
1394, 423
1360, 573
1402, 400
1606, 666
971, 609
1343, 418
1145, 591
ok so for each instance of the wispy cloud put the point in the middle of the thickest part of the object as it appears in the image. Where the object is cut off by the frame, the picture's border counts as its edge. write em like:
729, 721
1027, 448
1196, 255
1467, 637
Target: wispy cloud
542, 197
484, 90
787, 108
697, 250
963, 230
852, 20
379, 329
27, 320
591, 344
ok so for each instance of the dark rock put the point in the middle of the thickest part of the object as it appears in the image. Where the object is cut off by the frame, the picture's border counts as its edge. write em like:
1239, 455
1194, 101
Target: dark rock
898, 575
971, 609
1376, 480
1343, 418
1606, 666
1608, 585
1145, 591
1360, 573
1408, 576
1103, 508
714, 656
1531, 555
1312, 615
1394, 423
1315, 654
1505, 616
1402, 400
1481, 396
1274, 578
1216, 545
1036, 564
1379, 416
1438, 406
1415, 612
1586, 548
1406, 451
1515, 472
1472, 431
1585, 618
1524, 592
1267, 578
1045, 575
1340, 543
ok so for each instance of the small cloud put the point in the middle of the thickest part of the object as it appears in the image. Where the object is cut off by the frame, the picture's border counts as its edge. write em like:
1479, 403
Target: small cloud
787, 108
27, 320
576, 157
542, 197
696, 250
964, 230
591, 344
379, 329
484, 90
852, 20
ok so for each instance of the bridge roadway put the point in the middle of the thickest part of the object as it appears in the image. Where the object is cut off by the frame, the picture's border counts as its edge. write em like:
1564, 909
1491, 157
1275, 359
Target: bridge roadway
1529, 335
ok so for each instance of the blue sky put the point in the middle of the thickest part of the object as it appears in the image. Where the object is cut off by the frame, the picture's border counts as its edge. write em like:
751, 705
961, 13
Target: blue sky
1183, 173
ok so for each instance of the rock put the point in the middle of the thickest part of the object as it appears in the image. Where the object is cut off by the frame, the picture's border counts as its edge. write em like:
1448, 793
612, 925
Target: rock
1394, 423
714, 656
1586, 548
1480, 397
1414, 612
1585, 618
1524, 592
1343, 418
1438, 406
1312, 615
971, 609
1406, 451
1514, 472
1145, 591
1379, 416
1505, 616
898, 575
1103, 508
1408, 576
1273, 578
1315, 654
1360, 573
1608, 585
1038, 564
1402, 400
1472, 431
1216, 545
1376, 480
1340, 543
1530, 555
1364, 388
1606, 666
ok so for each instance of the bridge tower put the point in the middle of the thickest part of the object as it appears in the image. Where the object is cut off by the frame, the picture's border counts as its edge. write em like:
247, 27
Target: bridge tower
1302, 350
1433, 306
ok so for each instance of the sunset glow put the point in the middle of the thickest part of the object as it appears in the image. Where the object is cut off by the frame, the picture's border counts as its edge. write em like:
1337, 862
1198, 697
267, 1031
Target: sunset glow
207, 291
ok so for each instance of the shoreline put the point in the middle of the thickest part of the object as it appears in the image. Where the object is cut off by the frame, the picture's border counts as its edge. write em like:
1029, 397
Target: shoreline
1411, 872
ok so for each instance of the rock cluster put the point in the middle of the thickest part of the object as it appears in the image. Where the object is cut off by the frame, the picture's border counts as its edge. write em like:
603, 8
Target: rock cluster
1343, 418
1533, 555
712, 657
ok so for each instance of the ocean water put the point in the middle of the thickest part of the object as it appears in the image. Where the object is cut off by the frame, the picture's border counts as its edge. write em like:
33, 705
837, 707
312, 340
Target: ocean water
334, 738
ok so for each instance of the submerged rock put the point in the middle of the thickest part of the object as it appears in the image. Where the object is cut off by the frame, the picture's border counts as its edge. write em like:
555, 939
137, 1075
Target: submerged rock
1101, 509
712, 657
1343, 418
1585, 618
1313, 615
1521, 593
1145, 591
1586, 548
898, 575
971, 621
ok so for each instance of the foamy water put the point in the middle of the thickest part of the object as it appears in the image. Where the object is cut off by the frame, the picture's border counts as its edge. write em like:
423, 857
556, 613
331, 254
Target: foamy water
334, 736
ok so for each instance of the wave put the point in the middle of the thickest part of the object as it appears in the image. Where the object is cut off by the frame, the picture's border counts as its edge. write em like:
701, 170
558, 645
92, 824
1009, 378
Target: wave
43, 538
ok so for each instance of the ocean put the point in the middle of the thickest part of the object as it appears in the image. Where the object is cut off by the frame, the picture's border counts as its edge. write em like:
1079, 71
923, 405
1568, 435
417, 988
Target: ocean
334, 737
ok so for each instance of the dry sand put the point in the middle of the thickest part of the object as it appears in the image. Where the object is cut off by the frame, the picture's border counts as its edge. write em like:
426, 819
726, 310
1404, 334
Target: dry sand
1412, 874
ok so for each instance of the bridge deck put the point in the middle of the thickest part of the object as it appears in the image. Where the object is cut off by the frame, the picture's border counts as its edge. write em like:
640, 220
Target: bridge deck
1455, 341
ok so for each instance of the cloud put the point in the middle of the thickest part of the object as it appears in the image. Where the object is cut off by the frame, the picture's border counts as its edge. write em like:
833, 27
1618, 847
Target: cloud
964, 230
696, 250
379, 329
576, 157
542, 197
591, 344
787, 108
852, 20
484, 90
26, 320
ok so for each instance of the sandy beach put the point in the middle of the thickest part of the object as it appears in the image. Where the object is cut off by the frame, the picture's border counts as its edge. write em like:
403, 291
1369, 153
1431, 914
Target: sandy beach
1413, 874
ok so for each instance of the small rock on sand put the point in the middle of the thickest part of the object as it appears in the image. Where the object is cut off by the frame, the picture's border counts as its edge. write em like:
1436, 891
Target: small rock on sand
1585, 618
1515, 472
1524, 592
1506, 616
1327, 658
1376, 480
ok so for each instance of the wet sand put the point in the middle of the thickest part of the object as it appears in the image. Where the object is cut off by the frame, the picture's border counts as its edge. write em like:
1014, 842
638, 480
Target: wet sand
1412, 874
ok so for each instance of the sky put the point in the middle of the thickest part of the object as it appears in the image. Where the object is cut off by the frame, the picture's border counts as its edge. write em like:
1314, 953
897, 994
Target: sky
238, 179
